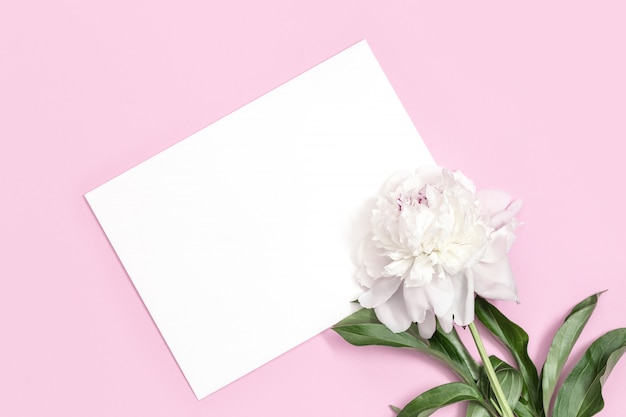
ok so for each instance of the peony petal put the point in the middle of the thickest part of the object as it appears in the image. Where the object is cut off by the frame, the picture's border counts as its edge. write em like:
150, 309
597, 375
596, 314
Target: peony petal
399, 267
374, 258
416, 302
446, 322
393, 314
382, 290
463, 307
427, 327
506, 216
429, 175
440, 294
493, 201
498, 207
393, 182
499, 244
460, 178
421, 272
363, 278
495, 280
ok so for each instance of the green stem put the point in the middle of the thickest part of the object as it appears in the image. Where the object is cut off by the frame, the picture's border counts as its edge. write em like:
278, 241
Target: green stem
491, 374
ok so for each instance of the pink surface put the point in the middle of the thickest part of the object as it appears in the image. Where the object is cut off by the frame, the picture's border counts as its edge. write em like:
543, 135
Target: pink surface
528, 99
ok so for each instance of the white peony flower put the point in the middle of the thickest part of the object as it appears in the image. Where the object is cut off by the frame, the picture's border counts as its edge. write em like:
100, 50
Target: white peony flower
434, 243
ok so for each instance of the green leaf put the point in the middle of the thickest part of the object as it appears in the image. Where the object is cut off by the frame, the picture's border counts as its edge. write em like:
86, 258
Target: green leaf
362, 328
510, 380
562, 344
581, 392
476, 409
430, 401
515, 339
450, 345
523, 410
490, 405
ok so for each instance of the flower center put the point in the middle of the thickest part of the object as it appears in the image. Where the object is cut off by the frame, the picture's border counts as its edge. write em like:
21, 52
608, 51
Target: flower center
415, 197
434, 231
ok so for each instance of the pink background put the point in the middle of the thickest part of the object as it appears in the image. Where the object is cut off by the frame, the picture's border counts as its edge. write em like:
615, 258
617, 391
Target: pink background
527, 98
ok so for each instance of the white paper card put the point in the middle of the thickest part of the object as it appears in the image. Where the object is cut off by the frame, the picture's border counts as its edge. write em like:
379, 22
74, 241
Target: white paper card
239, 239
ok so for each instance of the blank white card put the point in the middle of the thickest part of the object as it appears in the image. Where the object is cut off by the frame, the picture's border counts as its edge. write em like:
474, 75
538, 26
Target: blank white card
240, 238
